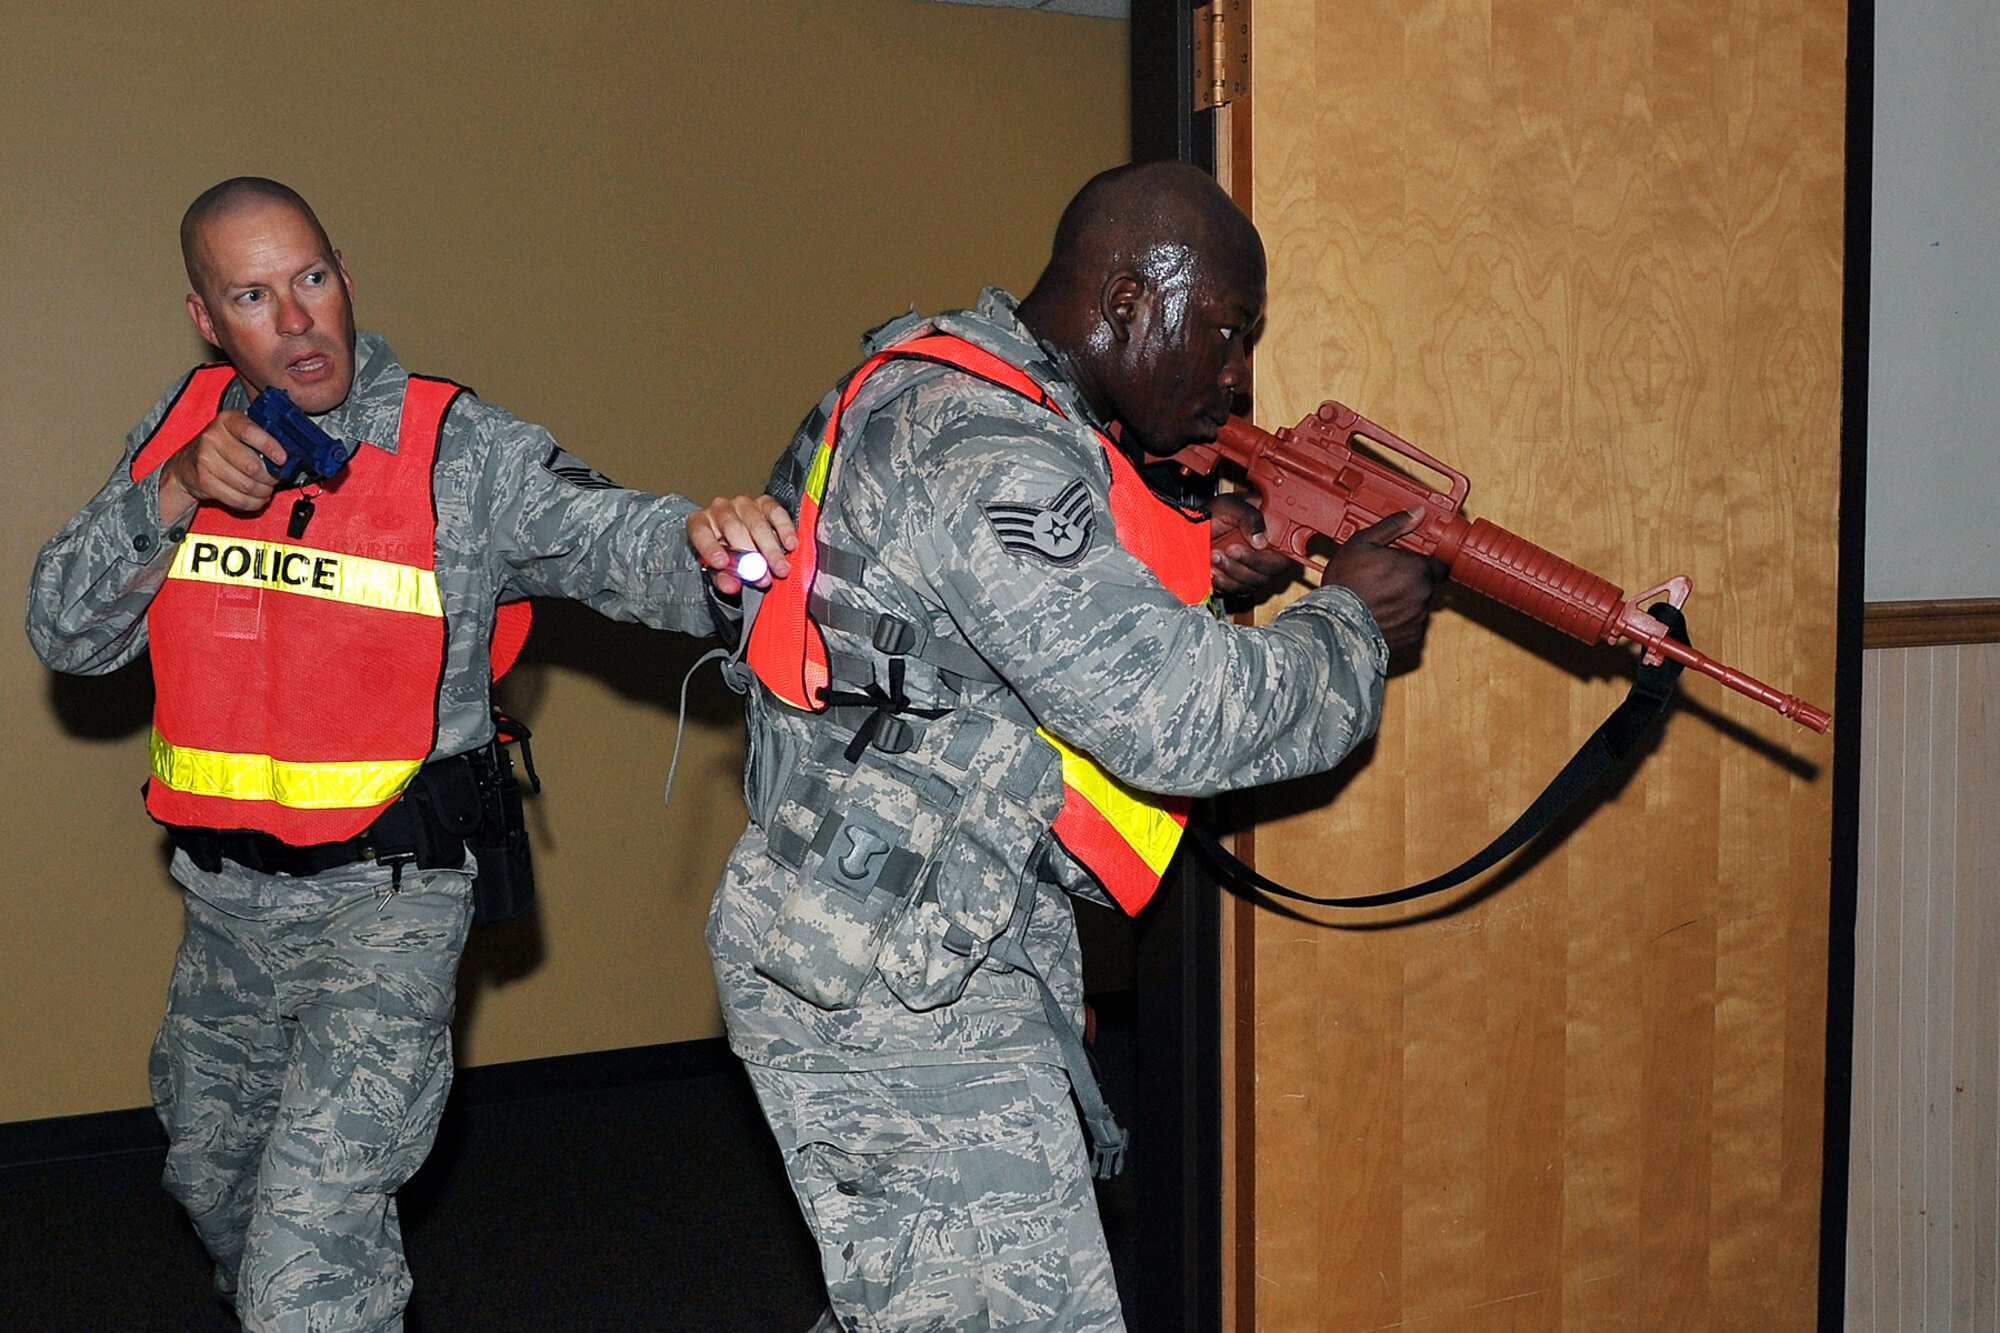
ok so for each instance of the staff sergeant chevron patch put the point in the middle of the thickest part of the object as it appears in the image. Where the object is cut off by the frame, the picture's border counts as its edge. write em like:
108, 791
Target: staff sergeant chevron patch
1058, 532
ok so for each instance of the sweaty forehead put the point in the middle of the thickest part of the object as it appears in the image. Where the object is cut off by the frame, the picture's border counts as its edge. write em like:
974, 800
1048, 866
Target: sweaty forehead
1234, 285
1237, 260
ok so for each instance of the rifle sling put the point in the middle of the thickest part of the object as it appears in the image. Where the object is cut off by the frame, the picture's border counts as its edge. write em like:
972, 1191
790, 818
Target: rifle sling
1652, 690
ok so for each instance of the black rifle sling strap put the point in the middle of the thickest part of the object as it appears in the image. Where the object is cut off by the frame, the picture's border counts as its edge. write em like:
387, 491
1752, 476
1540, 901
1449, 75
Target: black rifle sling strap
1652, 690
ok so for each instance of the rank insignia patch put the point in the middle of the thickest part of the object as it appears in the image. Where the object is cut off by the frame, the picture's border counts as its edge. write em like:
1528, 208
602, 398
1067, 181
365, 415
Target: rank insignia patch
576, 472
1058, 532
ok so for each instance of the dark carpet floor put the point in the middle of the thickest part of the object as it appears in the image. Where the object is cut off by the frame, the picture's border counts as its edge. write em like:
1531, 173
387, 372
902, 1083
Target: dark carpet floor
658, 1206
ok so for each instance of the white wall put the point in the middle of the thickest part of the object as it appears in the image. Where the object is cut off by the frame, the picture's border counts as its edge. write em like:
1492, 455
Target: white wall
1934, 344
1923, 1210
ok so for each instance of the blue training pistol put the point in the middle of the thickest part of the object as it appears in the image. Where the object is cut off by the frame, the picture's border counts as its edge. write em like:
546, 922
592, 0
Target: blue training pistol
310, 453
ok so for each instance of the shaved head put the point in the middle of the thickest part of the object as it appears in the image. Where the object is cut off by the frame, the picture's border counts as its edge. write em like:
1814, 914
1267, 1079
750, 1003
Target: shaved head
225, 199
1151, 217
1154, 282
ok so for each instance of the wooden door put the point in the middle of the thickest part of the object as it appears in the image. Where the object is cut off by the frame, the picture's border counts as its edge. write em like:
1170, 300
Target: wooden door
1591, 254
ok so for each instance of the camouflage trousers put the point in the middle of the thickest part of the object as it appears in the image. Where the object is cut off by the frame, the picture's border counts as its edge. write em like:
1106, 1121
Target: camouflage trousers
300, 1073
945, 1198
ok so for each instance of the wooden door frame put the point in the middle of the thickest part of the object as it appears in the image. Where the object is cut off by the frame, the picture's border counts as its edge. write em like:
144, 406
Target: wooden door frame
1844, 895
1177, 973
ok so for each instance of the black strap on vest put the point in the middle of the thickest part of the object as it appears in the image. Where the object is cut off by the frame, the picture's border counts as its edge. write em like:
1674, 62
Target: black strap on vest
884, 707
1652, 690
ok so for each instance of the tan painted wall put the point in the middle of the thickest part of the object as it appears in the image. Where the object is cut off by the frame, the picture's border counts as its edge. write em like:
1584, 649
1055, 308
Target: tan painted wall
656, 232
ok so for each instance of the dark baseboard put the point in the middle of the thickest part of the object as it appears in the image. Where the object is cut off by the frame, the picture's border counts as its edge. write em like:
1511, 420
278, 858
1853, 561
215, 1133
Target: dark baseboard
68, 1138
592, 1071
108, 1133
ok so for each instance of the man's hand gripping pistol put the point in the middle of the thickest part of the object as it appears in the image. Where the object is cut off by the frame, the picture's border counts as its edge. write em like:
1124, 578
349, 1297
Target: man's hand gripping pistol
310, 453
1311, 479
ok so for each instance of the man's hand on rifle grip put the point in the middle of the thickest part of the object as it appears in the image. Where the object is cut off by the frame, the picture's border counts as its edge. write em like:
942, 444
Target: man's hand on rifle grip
1244, 563
1397, 586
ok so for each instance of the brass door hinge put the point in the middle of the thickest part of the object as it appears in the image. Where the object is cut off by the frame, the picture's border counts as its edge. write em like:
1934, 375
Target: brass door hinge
1221, 53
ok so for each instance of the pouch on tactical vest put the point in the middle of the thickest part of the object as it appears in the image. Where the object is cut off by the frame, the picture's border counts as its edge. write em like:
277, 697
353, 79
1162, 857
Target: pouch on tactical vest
910, 863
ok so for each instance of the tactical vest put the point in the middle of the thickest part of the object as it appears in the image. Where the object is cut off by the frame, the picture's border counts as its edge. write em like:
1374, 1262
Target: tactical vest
296, 679
1125, 838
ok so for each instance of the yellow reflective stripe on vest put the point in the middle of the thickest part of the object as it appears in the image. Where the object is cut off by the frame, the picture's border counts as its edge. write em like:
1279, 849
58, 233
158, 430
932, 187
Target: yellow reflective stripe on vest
821, 468
260, 777
307, 571
1151, 831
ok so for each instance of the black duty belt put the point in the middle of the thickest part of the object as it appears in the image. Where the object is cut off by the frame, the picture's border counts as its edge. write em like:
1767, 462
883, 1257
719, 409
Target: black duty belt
426, 828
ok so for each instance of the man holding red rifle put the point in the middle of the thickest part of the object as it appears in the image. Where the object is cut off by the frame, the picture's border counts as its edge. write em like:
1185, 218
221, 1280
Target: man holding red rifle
994, 677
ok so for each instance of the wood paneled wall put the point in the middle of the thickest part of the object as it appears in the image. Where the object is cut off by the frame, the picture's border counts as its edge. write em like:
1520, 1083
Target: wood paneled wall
1591, 254
1923, 1233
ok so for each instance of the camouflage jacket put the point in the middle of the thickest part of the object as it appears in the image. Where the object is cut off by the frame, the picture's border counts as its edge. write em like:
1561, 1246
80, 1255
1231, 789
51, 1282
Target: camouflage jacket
516, 516
1087, 643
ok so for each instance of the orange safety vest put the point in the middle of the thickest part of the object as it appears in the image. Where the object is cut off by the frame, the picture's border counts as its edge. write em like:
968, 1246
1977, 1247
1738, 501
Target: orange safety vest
1125, 838
296, 679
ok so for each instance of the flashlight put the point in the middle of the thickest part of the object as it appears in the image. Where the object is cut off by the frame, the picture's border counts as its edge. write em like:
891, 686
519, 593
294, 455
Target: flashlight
751, 566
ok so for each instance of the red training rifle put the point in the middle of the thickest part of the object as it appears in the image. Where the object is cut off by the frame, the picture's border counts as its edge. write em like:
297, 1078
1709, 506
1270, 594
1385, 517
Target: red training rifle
1312, 479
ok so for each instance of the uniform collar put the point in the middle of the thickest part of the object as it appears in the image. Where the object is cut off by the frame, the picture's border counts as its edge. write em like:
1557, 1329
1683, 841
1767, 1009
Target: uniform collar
372, 412
995, 324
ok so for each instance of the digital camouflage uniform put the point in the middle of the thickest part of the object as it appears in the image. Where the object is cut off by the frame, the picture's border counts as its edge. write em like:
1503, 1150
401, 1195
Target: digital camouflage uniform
921, 1103
306, 1051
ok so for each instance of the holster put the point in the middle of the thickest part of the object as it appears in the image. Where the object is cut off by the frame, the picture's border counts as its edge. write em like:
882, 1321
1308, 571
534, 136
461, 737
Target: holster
505, 883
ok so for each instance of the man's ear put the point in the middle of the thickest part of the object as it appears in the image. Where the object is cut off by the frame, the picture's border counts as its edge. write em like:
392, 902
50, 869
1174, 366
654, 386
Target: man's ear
1122, 303
345, 280
198, 313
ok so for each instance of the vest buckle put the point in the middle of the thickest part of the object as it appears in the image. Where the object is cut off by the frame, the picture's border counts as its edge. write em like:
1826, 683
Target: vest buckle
895, 637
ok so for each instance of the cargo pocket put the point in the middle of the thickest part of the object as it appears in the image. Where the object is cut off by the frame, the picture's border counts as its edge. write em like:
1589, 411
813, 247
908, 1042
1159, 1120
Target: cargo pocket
895, 1239
1011, 791
892, 1188
857, 843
